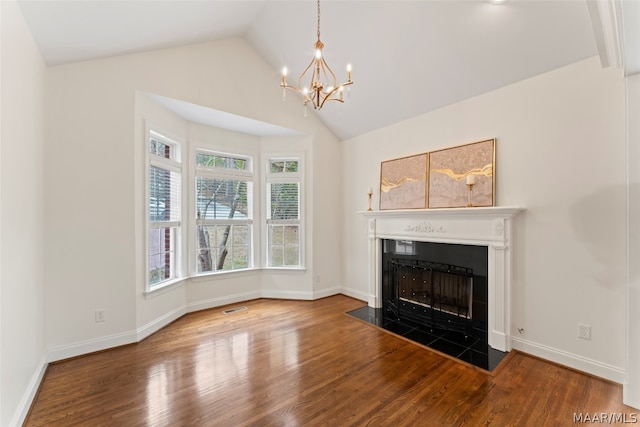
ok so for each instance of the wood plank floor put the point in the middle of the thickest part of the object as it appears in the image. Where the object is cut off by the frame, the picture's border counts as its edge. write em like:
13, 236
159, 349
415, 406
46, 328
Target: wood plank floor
306, 363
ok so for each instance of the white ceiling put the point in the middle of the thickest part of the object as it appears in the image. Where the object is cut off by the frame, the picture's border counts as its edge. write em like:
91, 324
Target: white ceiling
409, 57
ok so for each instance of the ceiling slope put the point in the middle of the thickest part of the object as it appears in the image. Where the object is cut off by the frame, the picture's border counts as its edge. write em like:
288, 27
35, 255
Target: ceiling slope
408, 57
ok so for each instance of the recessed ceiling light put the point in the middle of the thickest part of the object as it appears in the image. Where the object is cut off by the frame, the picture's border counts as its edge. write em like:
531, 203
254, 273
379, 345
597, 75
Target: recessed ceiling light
496, 1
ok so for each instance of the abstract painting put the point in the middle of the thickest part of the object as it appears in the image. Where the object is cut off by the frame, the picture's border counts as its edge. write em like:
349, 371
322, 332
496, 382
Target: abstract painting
403, 183
452, 169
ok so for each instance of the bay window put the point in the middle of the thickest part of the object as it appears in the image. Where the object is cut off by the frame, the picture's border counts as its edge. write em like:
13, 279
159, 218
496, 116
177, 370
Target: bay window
224, 224
164, 214
283, 221
219, 230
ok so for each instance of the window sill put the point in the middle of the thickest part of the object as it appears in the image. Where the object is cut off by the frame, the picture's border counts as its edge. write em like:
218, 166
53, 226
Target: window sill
218, 275
285, 270
168, 286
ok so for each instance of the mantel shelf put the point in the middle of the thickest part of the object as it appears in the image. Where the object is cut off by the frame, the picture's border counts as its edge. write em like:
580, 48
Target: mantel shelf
494, 211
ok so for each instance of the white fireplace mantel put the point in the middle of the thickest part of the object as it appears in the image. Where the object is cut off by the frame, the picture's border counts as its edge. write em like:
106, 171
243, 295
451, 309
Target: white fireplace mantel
489, 227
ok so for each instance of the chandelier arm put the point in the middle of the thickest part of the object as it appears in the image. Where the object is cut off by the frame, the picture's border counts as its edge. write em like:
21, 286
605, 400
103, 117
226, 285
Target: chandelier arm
328, 96
332, 99
330, 73
311, 64
306, 97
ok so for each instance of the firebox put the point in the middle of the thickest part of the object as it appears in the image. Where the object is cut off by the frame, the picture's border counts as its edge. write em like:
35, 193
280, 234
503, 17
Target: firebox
432, 293
442, 286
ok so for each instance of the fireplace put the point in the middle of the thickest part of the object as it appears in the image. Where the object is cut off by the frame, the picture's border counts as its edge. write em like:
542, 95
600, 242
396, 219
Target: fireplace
439, 285
485, 228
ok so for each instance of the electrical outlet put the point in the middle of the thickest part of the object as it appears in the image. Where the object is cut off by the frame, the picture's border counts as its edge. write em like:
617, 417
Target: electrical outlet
317, 278
99, 315
584, 331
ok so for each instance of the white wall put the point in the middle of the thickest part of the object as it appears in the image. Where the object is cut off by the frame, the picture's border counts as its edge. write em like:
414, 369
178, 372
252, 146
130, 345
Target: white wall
561, 155
632, 377
327, 228
22, 340
93, 126
154, 311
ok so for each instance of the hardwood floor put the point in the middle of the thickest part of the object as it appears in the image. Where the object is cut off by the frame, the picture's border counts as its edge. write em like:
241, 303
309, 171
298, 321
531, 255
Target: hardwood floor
306, 363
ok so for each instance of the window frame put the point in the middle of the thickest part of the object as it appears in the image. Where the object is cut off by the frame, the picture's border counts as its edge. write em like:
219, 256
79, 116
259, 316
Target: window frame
247, 175
175, 165
283, 177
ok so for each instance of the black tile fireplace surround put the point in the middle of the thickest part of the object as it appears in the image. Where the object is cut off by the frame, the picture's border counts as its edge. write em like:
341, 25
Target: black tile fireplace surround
461, 335
471, 350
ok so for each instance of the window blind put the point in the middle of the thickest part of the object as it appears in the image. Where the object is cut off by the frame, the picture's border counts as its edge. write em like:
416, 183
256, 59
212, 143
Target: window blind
284, 200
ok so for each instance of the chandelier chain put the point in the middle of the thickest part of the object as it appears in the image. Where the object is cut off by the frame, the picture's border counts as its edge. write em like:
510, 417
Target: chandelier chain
318, 19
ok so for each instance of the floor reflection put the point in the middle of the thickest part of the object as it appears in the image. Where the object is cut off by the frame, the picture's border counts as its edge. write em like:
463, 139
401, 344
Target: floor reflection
284, 349
157, 397
221, 360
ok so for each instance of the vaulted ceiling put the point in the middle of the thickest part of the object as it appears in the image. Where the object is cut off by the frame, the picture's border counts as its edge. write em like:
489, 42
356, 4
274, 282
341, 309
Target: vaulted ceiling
408, 57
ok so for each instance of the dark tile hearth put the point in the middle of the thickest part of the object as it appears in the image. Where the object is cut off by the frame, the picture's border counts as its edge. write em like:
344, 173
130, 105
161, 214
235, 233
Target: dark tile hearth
471, 350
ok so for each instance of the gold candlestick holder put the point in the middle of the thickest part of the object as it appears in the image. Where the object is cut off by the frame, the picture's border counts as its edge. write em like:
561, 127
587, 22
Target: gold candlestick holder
470, 204
369, 194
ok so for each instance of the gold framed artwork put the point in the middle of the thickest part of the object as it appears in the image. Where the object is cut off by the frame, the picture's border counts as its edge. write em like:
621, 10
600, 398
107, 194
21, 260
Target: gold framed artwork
462, 176
403, 183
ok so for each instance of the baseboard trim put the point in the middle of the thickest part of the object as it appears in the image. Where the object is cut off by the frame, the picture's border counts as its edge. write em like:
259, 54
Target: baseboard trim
295, 295
580, 363
323, 293
20, 416
91, 346
362, 296
159, 323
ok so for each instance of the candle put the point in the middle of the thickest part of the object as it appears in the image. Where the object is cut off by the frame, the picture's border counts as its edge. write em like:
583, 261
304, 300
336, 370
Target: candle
370, 192
471, 179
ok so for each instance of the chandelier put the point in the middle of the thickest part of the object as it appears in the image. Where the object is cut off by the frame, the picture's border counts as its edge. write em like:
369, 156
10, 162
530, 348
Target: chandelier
322, 84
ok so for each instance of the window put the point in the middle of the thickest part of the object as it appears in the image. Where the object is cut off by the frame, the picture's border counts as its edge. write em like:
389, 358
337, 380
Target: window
224, 226
164, 201
283, 222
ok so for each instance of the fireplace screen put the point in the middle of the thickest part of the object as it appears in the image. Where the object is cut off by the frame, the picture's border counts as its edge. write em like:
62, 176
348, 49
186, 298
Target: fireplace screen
438, 291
